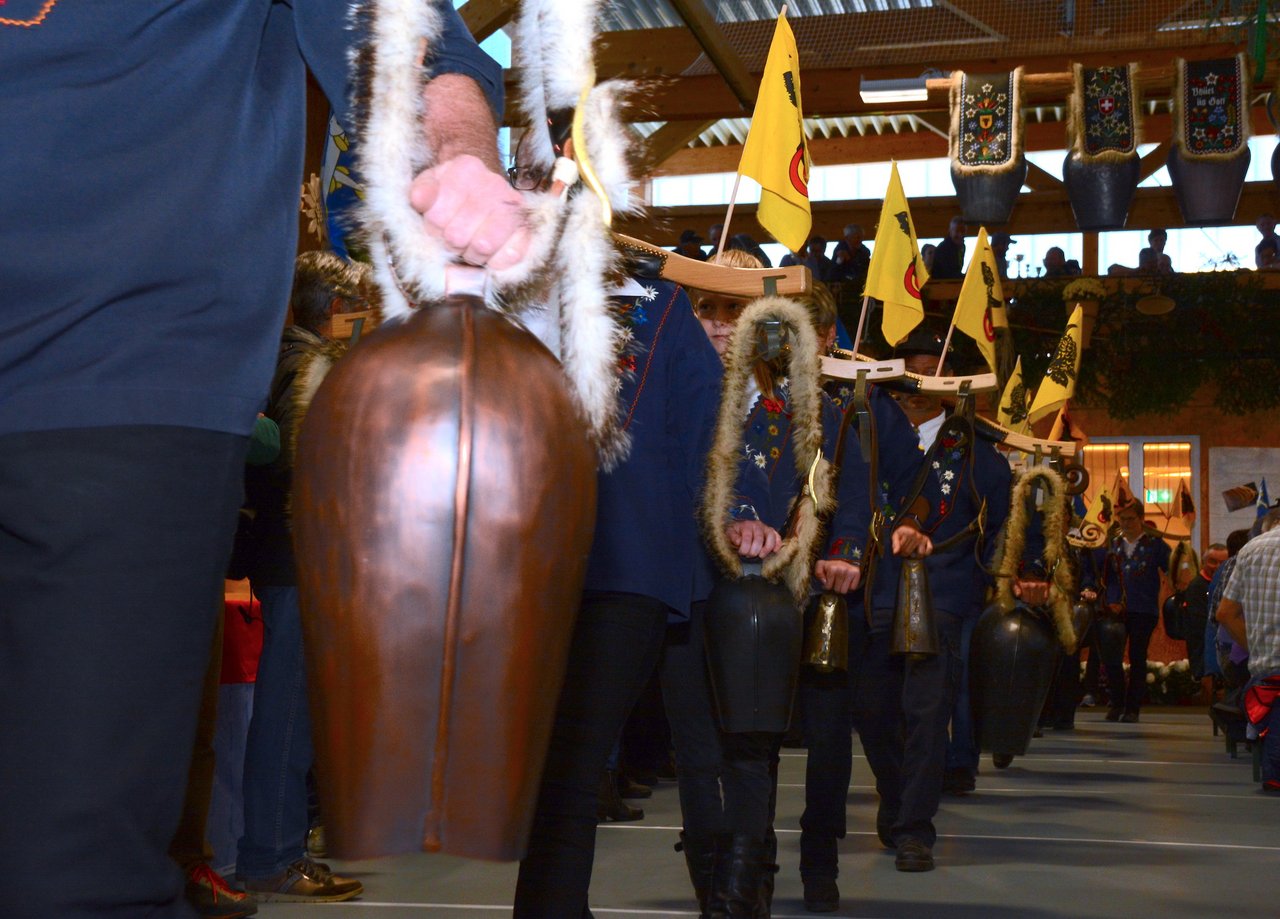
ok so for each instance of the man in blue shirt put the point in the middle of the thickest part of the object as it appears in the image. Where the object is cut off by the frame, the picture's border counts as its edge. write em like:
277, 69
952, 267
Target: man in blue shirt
147, 259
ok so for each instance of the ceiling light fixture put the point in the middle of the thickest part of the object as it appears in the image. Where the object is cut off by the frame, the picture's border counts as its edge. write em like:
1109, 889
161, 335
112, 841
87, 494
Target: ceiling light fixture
907, 89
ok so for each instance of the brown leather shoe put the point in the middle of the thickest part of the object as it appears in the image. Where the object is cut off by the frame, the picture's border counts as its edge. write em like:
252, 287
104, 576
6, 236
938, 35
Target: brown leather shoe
305, 881
913, 855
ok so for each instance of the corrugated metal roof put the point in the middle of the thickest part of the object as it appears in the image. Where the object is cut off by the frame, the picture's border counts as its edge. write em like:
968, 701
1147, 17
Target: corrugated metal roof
657, 14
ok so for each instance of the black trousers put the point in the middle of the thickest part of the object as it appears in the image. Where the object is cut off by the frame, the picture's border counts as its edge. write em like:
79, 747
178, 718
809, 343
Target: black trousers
112, 542
1129, 697
616, 644
901, 709
724, 779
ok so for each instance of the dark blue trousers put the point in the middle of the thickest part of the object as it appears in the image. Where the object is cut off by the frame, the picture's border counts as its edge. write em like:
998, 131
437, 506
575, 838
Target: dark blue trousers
616, 643
900, 709
113, 544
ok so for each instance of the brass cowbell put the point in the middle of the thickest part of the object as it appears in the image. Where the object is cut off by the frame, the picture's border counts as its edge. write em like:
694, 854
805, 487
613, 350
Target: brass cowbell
915, 629
826, 646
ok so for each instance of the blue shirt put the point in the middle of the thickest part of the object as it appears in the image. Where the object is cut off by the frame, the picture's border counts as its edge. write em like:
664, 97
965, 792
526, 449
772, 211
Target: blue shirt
153, 152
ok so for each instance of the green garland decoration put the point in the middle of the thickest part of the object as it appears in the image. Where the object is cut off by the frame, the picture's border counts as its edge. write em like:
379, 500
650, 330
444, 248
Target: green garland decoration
1225, 331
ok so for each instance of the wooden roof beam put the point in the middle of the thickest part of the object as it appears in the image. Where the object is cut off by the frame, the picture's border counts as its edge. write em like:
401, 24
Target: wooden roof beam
833, 92
484, 17
712, 40
880, 148
671, 138
1035, 212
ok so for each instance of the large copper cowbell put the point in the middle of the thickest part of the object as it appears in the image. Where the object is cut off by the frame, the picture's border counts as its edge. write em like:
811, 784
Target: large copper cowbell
444, 503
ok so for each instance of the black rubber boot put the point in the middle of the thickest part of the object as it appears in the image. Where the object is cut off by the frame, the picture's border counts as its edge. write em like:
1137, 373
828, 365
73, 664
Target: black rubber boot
700, 858
768, 870
736, 891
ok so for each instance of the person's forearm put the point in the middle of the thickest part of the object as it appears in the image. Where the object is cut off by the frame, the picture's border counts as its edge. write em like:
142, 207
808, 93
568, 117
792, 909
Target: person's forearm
1231, 618
457, 121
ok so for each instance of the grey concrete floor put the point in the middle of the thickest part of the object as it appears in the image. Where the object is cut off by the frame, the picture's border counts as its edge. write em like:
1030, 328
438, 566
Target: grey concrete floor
1112, 820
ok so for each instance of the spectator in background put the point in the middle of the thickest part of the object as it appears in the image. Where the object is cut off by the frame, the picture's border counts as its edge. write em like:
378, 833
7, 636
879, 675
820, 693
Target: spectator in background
744, 242
690, 246
790, 260
1265, 255
816, 260
853, 267
1197, 610
1000, 243
713, 236
1267, 227
1159, 262
272, 859
948, 260
1250, 612
927, 252
1055, 263
1231, 658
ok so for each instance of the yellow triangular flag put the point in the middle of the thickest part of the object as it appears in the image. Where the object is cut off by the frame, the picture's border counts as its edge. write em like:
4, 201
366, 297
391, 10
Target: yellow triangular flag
1060, 379
980, 309
776, 153
1096, 522
896, 272
1013, 403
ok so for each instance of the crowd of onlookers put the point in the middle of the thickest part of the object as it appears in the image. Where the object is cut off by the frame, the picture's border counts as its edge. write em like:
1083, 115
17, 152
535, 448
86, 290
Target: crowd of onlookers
849, 258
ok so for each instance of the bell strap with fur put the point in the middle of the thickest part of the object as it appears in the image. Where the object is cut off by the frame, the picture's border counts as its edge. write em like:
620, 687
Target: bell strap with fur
792, 564
571, 244
1054, 511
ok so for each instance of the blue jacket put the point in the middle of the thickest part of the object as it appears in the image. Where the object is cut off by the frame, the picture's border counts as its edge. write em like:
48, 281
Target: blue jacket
955, 490
1134, 581
148, 228
647, 540
769, 447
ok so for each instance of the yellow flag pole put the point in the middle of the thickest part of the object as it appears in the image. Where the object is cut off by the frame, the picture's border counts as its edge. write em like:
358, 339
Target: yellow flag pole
942, 358
862, 324
733, 196
724, 230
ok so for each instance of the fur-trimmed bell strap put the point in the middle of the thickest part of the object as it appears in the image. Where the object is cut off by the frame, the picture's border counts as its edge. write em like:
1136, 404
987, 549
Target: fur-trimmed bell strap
1054, 515
792, 563
986, 122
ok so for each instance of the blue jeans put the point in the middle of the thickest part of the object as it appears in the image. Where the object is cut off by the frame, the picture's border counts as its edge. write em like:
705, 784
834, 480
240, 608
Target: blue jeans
278, 749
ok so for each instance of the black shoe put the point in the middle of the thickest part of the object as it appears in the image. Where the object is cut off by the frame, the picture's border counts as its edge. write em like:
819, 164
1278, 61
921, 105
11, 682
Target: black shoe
611, 808
914, 855
821, 895
1129, 717
1001, 760
1113, 714
632, 790
958, 781
1064, 726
